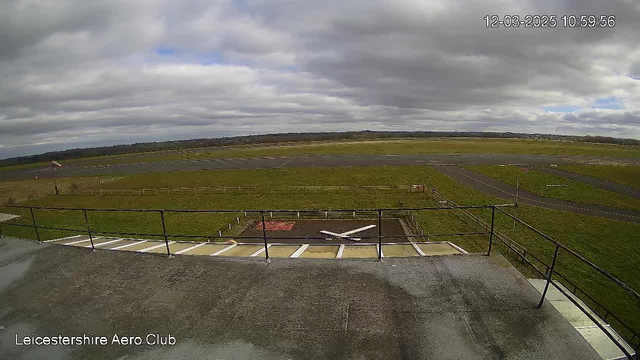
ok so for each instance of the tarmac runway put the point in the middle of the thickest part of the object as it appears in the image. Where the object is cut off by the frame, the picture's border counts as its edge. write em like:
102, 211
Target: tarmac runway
497, 188
271, 162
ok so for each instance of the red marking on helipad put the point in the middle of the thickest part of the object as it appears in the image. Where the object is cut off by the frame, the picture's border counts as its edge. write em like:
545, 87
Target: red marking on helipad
276, 225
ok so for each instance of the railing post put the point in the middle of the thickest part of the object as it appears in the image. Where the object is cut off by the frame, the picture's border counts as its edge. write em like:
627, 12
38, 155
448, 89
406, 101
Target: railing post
35, 226
264, 237
164, 231
549, 275
379, 235
493, 216
86, 221
1, 233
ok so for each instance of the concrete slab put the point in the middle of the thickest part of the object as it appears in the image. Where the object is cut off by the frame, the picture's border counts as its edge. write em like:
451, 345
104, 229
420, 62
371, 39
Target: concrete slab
437, 249
280, 251
67, 239
399, 250
321, 252
595, 336
602, 343
411, 308
206, 250
360, 252
118, 244
174, 248
141, 245
241, 250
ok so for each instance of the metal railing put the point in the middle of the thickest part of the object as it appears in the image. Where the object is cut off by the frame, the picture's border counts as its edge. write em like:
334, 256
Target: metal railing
379, 214
549, 270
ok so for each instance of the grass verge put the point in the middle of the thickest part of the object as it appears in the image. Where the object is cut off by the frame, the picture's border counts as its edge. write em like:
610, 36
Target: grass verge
536, 182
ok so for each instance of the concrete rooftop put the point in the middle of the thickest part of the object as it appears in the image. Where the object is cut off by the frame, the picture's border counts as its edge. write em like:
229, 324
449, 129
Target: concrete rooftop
441, 307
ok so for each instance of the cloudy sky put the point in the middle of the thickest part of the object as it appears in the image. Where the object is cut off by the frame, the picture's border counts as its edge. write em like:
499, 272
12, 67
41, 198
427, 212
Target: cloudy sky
78, 73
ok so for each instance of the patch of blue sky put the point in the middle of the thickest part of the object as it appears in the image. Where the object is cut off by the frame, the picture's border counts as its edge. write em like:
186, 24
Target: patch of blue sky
166, 51
561, 109
610, 102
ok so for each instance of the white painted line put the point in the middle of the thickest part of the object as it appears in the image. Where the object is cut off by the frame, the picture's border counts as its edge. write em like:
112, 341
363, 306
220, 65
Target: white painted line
127, 245
105, 243
74, 242
300, 250
65, 238
457, 247
190, 248
223, 250
340, 252
259, 251
417, 249
154, 247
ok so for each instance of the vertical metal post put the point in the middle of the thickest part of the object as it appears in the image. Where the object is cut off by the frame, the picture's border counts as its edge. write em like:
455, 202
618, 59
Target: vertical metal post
546, 286
264, 237
55, 183
493, 216
1, 234
379, 235
35, 226
164, 231
86, 221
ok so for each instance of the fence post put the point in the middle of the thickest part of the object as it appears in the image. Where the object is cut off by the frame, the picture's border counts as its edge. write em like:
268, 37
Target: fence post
546, 286
164, 231
86, 220
379, 235
35, 226
264, 236
493, 215
1, 234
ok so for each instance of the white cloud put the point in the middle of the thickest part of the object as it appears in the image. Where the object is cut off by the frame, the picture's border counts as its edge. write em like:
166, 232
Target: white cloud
78, 73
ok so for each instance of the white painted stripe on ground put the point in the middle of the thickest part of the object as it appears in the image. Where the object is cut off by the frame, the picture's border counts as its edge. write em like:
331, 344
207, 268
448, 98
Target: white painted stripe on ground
300, 250
190, 248
259, 251
457, 247
127, 245
104, 243
65, 238
417, 249
223, 250
75, 242
340, 252
154, 247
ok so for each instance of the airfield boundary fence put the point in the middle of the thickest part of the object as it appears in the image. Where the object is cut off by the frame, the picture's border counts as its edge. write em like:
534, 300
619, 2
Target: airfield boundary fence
243, 189
548, 271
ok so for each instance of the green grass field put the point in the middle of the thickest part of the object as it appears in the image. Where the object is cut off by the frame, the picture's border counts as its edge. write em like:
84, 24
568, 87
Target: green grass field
610, 244
627, 175
537, 181
397, 146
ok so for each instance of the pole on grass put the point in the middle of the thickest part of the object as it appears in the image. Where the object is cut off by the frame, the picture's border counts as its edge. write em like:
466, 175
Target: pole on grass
164, 231
1, 234
264, 237
493, 216
86, 220
379, 235
35, 226
546, 286
515, 208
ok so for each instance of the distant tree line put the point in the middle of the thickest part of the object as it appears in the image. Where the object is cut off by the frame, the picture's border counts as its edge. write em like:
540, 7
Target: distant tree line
288, 137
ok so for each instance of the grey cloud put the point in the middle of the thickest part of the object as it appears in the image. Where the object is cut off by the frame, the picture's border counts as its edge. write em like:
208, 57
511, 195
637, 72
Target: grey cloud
88, 72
